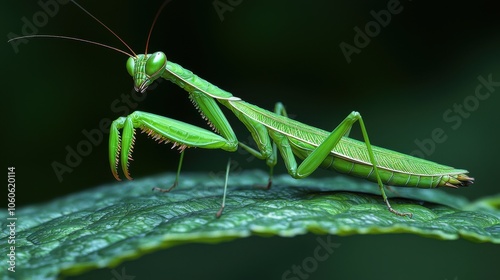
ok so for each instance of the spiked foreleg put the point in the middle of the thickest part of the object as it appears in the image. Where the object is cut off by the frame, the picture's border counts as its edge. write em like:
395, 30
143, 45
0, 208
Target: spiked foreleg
211, 112
115, 145
162, 129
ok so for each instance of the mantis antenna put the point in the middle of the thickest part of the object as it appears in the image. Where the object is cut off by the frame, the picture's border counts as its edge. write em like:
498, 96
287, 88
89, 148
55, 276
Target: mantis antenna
84, 40
105, 26
153, 24
73, 39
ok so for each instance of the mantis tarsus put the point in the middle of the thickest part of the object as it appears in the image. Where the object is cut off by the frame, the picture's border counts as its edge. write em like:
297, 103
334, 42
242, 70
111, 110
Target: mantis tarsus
271, 131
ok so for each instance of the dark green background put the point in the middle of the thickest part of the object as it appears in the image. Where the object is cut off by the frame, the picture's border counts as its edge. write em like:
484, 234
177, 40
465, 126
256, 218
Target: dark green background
423, 62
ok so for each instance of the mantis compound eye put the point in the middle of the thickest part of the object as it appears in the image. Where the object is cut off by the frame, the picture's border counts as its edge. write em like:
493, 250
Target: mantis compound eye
156, 64
131, 66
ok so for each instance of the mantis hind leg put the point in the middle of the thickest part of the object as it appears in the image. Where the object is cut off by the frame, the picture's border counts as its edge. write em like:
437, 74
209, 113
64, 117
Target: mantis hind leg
319, 154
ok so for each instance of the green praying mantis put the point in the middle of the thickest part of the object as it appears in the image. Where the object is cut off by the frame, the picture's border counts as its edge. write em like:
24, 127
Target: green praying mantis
272, 131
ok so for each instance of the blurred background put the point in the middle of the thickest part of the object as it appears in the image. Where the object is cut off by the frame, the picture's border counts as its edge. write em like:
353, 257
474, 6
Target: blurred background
409, 76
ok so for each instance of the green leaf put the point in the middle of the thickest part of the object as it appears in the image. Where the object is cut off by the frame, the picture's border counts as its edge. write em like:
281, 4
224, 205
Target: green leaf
106, 225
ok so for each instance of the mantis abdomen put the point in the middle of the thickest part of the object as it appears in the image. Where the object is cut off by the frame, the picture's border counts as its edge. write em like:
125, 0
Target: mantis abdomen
412, 175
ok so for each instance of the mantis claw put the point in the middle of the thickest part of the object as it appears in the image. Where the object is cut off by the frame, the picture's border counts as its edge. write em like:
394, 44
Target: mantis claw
219, 213
165, 190
267, 186
123, 144
402, 214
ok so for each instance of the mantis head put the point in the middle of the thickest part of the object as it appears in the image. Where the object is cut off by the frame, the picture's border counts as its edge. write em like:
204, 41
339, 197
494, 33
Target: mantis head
146, 68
